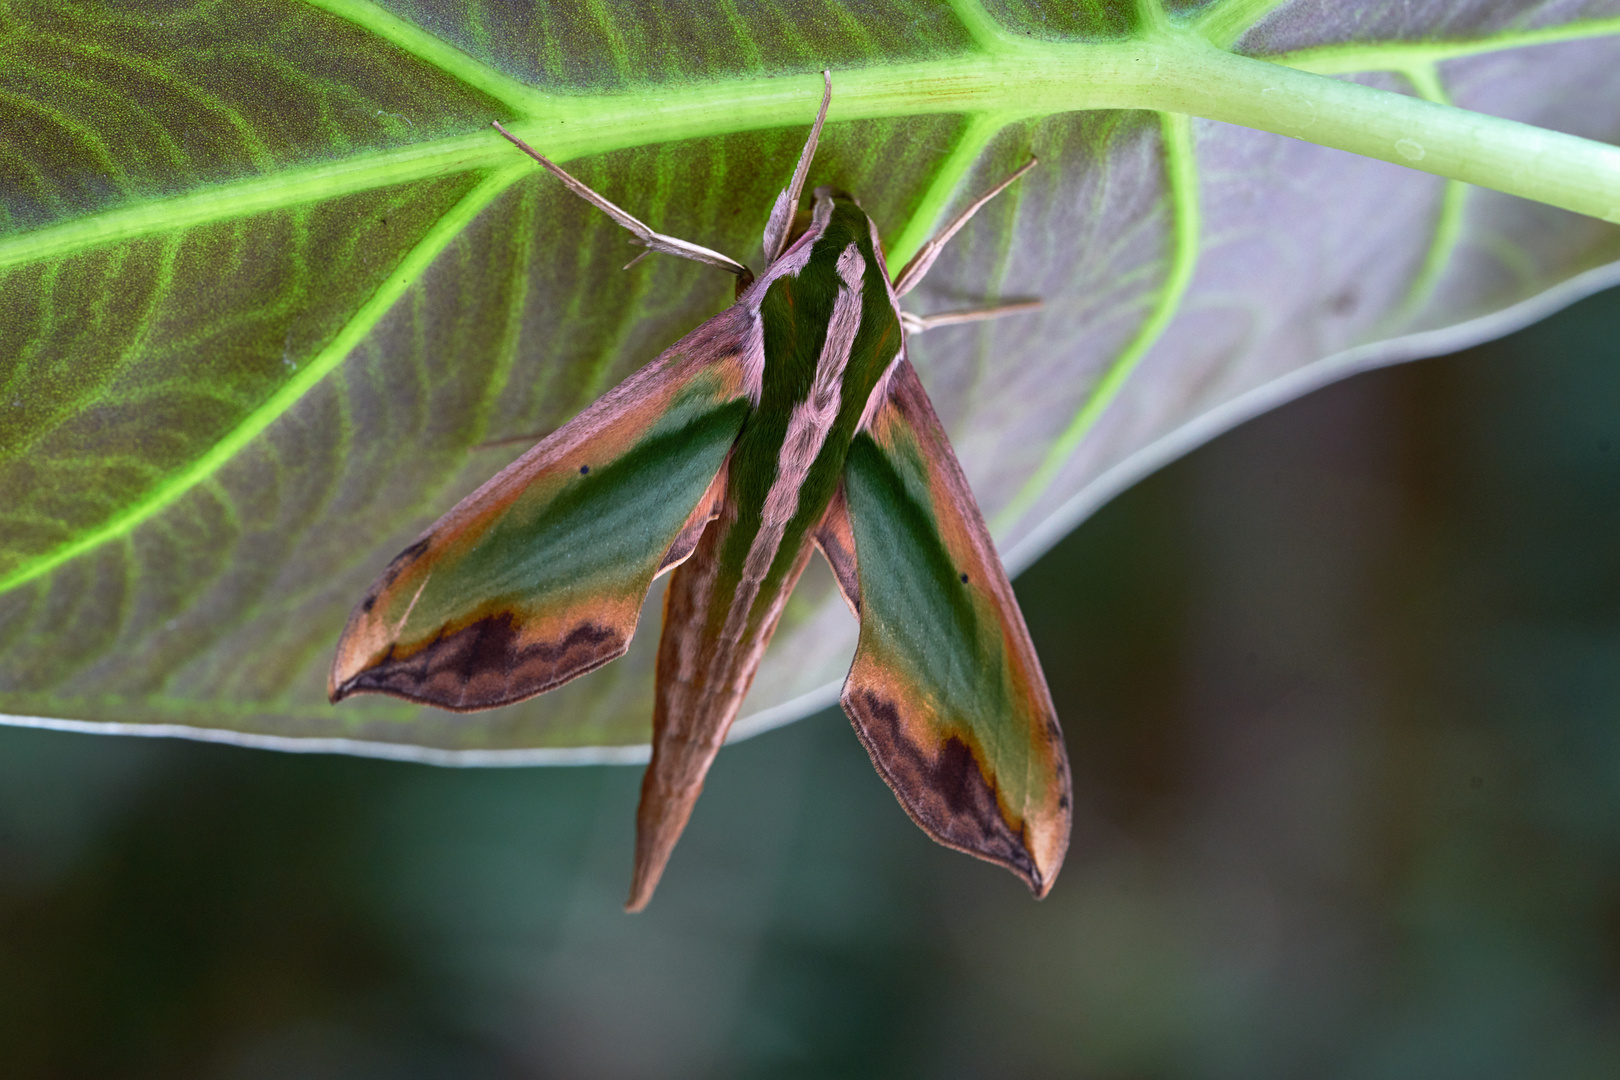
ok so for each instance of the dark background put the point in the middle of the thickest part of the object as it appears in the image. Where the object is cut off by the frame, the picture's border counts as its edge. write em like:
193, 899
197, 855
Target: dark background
1341, 697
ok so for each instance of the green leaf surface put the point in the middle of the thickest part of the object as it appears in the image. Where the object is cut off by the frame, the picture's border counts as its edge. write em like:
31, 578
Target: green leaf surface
272, 292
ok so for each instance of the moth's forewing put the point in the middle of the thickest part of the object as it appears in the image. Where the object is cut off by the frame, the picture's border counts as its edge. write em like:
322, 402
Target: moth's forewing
945, 689
539, 575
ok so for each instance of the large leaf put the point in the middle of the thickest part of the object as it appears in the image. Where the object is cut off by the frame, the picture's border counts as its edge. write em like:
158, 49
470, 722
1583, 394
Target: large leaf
269, 285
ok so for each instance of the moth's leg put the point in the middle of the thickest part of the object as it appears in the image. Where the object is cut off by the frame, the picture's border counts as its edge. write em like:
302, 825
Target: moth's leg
787, 203
916, 324
920, 262
653, 241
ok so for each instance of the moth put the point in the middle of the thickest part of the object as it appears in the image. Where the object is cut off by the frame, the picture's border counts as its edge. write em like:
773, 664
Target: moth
791, 421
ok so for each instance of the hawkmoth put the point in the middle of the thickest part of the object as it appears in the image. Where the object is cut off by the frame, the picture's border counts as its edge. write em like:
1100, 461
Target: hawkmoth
789, 422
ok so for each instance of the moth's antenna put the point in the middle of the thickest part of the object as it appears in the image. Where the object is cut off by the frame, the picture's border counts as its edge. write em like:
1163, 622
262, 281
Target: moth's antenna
787, 203
920, 262
653, 241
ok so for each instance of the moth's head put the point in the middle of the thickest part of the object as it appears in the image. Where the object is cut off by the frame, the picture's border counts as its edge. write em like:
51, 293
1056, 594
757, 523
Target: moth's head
825, 202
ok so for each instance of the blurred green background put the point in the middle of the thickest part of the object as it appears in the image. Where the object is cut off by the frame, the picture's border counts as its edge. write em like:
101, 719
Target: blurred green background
1341, 696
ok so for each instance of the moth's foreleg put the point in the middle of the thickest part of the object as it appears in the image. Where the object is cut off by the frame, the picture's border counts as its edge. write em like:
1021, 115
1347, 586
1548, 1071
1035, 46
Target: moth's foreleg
920, 262
916, 324
653, 241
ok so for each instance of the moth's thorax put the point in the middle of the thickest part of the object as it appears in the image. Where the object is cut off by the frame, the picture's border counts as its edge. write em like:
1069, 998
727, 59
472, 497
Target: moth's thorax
837, 255
830, 332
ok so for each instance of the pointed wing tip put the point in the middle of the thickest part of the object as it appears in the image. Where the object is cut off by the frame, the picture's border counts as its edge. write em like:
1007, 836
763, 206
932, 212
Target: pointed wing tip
362, 638
1044, 838
1039, 884
341, 688
1035, 863
1041, 879
1046, 850
650, 863
353, 658
340, 679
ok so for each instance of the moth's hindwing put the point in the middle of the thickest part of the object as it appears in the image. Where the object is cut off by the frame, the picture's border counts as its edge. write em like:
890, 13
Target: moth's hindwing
945, 689
539, 575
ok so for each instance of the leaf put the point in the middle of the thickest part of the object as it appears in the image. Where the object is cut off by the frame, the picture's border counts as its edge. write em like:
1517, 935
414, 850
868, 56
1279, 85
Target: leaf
269, 285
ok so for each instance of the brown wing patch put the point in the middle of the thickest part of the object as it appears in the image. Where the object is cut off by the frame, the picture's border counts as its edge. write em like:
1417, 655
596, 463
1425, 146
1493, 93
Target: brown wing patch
836, 541
486, 664
946, 793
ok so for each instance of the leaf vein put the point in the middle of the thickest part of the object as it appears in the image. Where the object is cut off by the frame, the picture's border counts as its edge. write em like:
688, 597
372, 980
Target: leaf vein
409, 271
1181, 169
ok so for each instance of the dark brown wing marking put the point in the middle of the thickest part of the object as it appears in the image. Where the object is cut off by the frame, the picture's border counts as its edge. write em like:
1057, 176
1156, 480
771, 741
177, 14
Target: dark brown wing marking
945, 792
485, 664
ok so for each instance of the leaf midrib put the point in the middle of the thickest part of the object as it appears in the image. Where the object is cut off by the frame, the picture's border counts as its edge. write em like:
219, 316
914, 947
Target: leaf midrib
1080, 76
1086, 77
